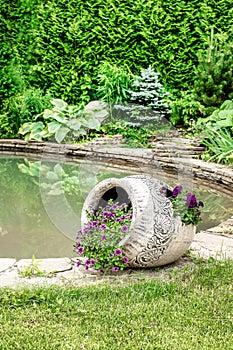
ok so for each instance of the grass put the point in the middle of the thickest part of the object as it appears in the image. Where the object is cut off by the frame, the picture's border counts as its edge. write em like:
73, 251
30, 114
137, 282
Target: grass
192, 309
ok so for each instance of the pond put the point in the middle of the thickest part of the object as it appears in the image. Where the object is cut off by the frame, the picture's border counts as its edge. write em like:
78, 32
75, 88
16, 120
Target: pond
41, 203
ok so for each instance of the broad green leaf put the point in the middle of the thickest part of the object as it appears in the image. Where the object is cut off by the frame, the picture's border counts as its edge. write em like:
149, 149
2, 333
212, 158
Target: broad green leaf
48, 114
59, 117
51, 176
61, 133
25, 128
228, 104
74, 124
23, 168
226, 114
53, 127
92, 124
58, 170
56, 189
35, 136
80, 132
37, 127
59, 104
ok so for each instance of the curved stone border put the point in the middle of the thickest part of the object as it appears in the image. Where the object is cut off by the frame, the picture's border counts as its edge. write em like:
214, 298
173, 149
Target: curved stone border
210, 172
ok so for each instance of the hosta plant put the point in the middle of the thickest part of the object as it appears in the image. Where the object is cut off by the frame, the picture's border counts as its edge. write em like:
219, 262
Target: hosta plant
99, 240
64, 121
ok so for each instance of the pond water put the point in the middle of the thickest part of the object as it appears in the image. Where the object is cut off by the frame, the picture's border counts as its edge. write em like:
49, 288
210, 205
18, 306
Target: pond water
41, 203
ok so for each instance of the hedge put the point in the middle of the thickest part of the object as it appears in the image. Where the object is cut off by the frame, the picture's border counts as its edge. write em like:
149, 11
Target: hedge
58, 45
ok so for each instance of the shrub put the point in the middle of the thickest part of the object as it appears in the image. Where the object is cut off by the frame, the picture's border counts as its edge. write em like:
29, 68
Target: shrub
113, 83
214, 77
21, 109
185, 109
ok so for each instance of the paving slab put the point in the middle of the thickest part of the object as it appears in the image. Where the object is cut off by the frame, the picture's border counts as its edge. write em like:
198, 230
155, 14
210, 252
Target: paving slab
65, 271
6, 263
49, 265
208, 244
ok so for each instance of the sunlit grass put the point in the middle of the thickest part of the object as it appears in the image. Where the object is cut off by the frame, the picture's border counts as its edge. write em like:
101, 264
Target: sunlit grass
190, 310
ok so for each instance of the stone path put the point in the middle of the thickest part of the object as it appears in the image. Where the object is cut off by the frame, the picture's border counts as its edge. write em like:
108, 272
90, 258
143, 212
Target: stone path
217, 242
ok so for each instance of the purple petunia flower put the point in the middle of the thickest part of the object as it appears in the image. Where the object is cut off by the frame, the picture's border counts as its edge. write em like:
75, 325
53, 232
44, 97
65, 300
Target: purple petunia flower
105, 213
80, 250
111, 255
94, 223
125, 260
114, 207
130, 216
117, 252
124, 228
115, 269
78, 263
107, 207
177, 190
90, 263
102, 238
118, 219
103, 227
86, 229
111, 215
200, 204
77, 244
191, 200
123, 217
101, 270
123, 205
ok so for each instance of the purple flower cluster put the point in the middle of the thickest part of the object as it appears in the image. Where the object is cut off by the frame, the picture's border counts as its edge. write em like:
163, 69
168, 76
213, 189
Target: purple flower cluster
105, 229
185, 206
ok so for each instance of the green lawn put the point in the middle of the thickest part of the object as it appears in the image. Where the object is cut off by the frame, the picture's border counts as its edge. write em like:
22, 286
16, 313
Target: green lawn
192, 309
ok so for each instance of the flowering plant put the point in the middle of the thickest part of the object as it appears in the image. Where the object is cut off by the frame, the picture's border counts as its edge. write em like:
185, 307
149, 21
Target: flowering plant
98, 240
185, 205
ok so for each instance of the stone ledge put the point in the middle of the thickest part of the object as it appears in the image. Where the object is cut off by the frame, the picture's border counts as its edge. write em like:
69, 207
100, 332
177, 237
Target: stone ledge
216, 173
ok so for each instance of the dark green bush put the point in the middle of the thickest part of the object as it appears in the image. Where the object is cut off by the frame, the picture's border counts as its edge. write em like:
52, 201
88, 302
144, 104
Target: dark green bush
20, 109
59, 45
214, 75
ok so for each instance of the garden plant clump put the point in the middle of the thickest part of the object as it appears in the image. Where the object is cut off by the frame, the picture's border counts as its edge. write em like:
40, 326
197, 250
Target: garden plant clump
185, 205
99, 240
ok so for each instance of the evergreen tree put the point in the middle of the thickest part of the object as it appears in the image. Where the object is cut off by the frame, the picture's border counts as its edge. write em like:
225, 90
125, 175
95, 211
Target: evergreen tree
147, 100
214, 79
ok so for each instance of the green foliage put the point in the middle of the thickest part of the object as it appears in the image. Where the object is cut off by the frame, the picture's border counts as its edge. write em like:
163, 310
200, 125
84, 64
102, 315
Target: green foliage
135, 137
219, 144
217, 134
221, 118
20, 109
33, 269
185, 108
64, 121
113, 83
61, 46
214, 78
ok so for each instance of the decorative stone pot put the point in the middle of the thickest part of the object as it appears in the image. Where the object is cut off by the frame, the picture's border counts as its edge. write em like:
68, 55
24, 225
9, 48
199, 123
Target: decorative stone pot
155, 237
